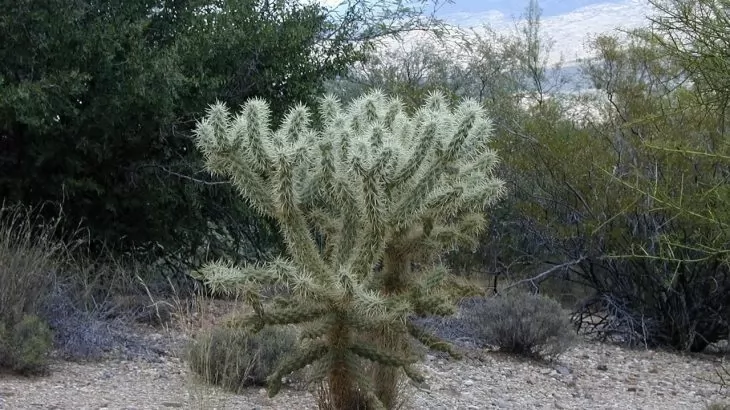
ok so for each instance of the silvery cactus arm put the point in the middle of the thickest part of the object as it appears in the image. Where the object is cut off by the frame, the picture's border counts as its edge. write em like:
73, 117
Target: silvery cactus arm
360, 193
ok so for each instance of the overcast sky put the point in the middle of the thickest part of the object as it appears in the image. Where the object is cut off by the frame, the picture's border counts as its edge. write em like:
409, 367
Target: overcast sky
567, 22
507, 7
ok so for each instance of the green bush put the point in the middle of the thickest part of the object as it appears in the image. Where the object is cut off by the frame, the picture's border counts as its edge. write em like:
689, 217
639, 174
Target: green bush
235, 359
525, 324
25, 347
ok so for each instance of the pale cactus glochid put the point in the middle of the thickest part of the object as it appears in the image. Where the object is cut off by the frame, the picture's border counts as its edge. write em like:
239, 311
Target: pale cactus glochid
367, 197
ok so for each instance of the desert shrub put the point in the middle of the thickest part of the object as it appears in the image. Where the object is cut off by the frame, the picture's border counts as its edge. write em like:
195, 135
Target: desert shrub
29, 258
235, 358
80, 332
40, 288
521, 323
26, 345
59, 283
651, 302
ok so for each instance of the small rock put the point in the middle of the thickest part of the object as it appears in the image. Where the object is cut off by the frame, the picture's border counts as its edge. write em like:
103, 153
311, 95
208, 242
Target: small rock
422, 386
500, 404
631, 389
602, 367
468, 382
563, 370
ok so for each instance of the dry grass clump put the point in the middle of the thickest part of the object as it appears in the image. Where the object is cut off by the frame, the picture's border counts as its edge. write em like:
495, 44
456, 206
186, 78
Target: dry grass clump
30, 256
236, 359
51, 296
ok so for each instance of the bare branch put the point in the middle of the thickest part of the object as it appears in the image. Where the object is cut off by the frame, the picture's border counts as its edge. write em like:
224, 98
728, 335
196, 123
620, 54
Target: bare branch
189, 178
539, 278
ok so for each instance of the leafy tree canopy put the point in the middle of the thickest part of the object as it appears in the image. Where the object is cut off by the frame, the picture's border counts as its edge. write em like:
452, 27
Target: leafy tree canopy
97, 100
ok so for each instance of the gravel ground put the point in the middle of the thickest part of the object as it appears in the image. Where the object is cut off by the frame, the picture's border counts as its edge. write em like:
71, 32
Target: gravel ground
144, 370
591, 375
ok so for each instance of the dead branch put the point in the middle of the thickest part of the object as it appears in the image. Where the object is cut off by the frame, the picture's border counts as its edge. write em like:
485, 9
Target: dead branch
539, 278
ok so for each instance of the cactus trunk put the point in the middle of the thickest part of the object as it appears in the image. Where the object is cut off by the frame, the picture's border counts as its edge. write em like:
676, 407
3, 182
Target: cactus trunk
341, 382
396, 271
387, 378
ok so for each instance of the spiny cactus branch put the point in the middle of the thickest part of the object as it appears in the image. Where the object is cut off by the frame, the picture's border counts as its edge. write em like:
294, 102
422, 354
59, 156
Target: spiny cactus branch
309, 354
359, 201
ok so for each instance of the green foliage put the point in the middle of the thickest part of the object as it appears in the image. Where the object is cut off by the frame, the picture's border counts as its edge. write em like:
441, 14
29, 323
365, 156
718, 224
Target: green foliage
526, 324
236, 359
659, 242
630, 179
97, 101
635, 190
412, 70
692, 34
25, 345
362, 194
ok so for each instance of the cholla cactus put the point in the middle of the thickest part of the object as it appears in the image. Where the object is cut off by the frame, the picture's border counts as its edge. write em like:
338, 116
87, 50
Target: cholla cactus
360, 199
